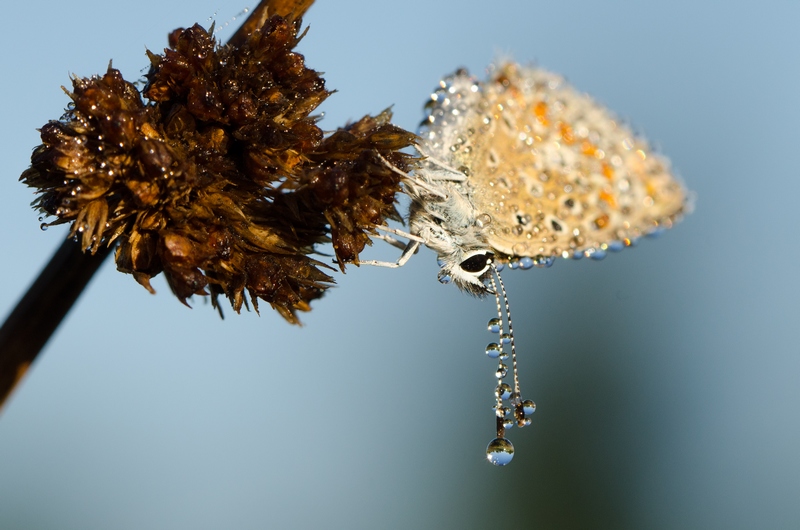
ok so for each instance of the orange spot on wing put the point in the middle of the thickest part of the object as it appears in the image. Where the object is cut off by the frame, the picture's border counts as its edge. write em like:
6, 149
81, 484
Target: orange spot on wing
608, 198
540, 111
608, 171
566, 133
601, 221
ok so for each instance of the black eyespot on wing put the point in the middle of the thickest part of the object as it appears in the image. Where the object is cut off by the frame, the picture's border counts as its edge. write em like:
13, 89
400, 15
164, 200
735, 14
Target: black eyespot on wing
476, 263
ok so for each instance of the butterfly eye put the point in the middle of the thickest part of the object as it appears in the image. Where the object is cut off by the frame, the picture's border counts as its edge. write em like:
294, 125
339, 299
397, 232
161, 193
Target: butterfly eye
477, 263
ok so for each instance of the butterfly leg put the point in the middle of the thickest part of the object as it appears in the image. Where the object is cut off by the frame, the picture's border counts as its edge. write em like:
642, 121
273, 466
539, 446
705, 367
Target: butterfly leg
409, 250
389, 239
399, 233
415, 181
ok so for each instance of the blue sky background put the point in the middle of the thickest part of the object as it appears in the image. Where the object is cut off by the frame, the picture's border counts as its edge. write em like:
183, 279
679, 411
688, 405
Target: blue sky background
667, 377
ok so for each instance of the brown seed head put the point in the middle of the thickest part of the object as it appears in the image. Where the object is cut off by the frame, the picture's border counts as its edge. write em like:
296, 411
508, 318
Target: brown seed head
222, 179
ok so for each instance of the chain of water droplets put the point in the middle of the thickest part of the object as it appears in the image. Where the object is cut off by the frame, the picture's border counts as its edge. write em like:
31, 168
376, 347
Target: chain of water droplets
500, 451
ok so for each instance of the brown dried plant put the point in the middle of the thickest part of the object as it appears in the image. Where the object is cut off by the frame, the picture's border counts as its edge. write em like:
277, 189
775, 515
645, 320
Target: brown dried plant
217, 173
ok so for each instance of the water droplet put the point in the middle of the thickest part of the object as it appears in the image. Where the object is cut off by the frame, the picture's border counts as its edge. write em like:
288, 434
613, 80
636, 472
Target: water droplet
525, 263
495, 325
503, 391
493, 350
507, 424
499, 452
524, 422
502, 370
598, 254
528, 407
616, 246
505, 338
41, 218
501, 411
44, 226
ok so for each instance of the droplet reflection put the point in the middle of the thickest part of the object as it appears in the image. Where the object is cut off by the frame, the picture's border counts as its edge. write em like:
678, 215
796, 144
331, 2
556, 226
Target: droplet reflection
500, 451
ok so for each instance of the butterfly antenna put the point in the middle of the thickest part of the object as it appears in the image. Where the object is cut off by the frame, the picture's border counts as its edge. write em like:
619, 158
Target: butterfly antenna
500, 451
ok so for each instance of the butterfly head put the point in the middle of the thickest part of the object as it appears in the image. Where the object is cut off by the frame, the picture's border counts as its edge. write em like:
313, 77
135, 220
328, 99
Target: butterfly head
470, 271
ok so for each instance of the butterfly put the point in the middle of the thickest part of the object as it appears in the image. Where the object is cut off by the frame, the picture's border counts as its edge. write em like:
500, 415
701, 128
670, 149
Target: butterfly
522, 169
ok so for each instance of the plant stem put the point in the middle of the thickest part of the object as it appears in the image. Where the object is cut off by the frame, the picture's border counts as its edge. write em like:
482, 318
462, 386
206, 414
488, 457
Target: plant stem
40, 311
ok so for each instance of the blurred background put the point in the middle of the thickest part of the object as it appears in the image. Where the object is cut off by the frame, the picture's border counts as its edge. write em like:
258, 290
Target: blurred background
667, 377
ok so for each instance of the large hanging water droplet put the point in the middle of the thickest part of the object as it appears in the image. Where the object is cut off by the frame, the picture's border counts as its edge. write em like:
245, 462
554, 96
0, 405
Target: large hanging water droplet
528, 407
44, 226
495, 325
499, 452
503, 391
493, 350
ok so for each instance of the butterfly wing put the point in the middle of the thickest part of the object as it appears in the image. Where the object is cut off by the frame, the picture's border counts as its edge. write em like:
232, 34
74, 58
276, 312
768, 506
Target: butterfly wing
554, 174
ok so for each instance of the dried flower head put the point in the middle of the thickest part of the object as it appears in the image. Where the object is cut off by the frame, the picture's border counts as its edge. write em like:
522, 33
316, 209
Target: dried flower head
216, 173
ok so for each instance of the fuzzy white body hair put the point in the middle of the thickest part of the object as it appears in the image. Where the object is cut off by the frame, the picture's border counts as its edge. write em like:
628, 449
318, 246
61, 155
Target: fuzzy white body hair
447, 222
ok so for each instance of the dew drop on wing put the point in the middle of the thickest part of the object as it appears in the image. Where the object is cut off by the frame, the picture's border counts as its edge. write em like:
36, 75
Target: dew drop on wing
616, 246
